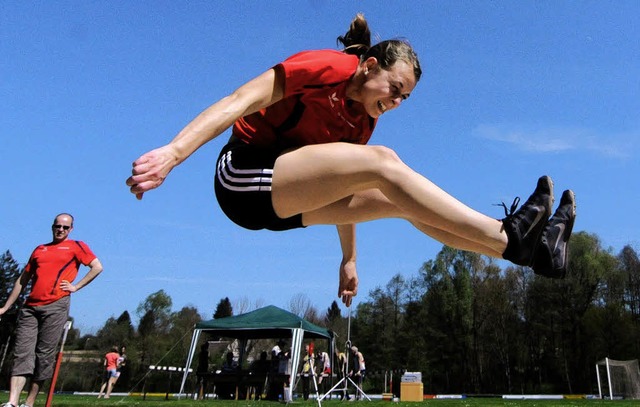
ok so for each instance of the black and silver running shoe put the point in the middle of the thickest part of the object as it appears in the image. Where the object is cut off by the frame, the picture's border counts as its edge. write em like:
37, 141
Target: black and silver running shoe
524, 226
552, 255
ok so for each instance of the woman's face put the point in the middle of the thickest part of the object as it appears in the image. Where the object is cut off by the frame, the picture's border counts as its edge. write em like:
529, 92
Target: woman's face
384, 90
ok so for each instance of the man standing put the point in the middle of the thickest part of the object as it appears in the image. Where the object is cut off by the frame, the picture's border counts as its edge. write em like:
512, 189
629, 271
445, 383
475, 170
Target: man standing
358, 369
203, 370
52, 269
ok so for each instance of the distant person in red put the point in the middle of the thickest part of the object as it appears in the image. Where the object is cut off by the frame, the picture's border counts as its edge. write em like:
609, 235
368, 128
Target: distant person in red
111, 364
52, 269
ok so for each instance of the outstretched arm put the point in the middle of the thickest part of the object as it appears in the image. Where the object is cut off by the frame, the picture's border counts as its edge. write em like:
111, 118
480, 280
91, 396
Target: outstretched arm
348, 287
150, 170
95, 269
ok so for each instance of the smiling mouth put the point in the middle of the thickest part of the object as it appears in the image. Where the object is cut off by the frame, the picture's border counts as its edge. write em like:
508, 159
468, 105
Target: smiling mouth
381, 107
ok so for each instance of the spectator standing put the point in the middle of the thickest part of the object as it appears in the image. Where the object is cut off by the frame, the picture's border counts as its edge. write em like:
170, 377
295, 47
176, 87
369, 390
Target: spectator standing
203, 370
308, 370
358, 369
51, 269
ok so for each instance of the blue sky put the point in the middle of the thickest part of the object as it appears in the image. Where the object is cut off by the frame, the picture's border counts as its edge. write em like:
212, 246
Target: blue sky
510, 91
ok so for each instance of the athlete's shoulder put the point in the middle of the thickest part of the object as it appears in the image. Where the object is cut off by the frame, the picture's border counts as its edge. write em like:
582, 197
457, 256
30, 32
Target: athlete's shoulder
317, 68
327, 56
323, 53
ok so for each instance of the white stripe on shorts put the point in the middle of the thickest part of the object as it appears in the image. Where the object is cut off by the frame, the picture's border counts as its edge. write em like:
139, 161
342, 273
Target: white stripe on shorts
240, 180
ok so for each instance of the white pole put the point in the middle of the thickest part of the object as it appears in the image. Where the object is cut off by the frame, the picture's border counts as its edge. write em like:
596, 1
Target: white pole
192, 350
385, 381
599, 385
609, 378
297, 336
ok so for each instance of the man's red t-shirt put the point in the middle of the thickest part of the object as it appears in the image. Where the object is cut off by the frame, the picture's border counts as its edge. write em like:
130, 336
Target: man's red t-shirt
50, 264
314, 109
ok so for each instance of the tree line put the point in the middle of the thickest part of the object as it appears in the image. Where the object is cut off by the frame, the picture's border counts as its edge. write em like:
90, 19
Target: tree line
470, 326
473, 328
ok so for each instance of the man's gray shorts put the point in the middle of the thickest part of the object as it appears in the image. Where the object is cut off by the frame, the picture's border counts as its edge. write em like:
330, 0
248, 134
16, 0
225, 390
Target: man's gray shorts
35, 349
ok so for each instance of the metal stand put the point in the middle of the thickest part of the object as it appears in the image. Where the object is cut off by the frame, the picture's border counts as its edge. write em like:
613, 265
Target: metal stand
315, 381
312, 367
346, 379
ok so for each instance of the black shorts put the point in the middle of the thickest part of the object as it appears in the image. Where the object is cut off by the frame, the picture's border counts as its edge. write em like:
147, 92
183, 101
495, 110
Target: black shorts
243, 187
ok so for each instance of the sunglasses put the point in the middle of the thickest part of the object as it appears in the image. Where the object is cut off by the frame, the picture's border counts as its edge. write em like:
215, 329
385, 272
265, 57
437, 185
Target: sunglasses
65, 227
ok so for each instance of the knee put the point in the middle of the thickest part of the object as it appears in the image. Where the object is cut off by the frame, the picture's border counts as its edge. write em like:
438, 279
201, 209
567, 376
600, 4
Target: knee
387, 162
385, 154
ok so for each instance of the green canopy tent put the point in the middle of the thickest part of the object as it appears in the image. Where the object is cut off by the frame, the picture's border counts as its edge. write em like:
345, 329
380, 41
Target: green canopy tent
263, 323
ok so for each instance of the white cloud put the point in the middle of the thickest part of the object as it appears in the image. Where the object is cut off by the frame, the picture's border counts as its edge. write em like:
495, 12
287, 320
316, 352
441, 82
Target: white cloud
560, 139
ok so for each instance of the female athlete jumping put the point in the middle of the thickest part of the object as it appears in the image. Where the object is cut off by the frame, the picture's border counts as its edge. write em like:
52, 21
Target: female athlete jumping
298, 157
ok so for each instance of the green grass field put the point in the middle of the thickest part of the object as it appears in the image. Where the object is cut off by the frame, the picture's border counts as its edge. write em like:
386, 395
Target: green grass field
77, 401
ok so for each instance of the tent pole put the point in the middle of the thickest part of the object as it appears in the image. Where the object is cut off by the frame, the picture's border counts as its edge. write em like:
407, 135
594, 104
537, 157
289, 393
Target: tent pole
297, 335
192, 350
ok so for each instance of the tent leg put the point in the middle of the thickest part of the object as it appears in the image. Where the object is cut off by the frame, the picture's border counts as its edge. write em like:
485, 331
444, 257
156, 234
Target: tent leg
192, 350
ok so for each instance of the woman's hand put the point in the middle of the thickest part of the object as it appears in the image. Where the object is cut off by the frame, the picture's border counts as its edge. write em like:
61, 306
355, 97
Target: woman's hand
150, 170
348, 287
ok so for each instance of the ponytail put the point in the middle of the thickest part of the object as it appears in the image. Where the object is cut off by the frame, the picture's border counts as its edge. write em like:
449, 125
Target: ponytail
357, 40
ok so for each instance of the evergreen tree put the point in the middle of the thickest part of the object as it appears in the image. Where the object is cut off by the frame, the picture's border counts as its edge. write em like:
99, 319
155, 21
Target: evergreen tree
223, 309
126, 327
333, 313
10, 271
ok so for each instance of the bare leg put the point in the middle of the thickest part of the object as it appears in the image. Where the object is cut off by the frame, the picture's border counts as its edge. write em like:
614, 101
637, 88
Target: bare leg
110, 384
17, 384
372, 204
104, 385
34, 389
310, 178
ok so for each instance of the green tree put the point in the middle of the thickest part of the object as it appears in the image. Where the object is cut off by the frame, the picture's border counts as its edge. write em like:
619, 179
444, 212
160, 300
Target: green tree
496, 327
413, 342
126, 326
630, 267
333, 313
180, 333
157, 305
10, 270
377, 329
153, 328
223, 309
371, 331
115, 332
557, 312
334, 321
449, 303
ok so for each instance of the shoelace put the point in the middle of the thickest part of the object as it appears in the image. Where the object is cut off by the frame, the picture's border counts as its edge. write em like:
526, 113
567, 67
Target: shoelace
512, 210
